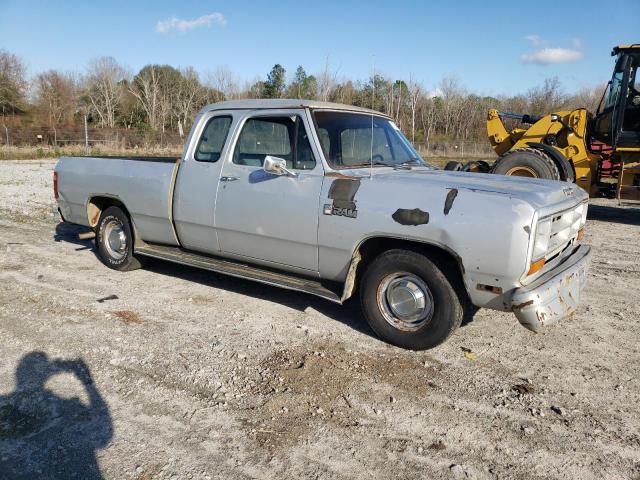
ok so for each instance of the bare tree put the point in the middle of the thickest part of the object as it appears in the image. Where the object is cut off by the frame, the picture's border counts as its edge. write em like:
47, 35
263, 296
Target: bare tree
104, 88
224, 83
546, 98
428, 115
146, 89
326, 81
588, 97
56, 96
415, 92
188, 97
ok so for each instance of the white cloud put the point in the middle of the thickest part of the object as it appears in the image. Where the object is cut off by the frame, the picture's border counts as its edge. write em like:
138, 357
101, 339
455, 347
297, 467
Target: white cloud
183, 26
547, 56
536, 40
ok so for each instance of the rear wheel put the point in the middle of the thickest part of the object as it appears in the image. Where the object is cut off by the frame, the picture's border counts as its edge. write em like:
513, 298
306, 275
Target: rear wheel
114, 239
410, 301
527, 162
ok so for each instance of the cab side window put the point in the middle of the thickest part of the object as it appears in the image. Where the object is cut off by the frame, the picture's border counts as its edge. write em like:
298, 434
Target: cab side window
282, 137
212, 140
304, 159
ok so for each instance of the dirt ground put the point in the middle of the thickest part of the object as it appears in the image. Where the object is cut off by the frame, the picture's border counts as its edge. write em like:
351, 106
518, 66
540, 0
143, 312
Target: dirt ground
171, 372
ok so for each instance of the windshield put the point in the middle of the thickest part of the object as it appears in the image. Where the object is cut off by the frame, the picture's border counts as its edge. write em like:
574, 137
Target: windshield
351, 140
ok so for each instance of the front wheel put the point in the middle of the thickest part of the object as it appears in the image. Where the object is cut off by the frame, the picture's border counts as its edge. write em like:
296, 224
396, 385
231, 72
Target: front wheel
114, 239
409, 301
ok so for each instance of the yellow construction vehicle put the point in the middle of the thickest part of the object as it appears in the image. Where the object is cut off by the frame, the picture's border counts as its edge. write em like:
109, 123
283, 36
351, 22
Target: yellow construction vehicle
600, 152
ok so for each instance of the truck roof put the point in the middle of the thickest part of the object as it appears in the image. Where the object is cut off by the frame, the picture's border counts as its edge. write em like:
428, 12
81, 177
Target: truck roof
271, 103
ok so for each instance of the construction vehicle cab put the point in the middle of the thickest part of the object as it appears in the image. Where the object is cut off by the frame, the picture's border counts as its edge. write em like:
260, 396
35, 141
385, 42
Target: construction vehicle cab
617, 122
601, 152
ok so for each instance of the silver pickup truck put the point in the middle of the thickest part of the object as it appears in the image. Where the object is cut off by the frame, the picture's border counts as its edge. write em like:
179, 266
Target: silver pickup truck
331, 200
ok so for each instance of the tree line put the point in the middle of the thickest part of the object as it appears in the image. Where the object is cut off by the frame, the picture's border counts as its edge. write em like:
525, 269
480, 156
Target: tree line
165, 98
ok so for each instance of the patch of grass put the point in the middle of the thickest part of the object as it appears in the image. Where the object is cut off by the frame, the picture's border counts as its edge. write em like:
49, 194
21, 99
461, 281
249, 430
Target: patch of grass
30, 153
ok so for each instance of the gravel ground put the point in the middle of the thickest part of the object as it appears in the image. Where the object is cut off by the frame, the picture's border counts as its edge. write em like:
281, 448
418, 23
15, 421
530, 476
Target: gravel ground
187, 374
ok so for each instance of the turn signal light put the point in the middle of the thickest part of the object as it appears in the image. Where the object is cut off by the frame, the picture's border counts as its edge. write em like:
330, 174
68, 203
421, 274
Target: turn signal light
580, 235
535, 266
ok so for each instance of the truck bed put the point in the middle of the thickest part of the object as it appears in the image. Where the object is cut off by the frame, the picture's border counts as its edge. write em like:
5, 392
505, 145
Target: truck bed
141, 158
142, 184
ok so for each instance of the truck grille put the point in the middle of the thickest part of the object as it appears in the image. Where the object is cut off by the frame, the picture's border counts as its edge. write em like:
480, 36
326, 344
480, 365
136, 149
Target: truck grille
564, 229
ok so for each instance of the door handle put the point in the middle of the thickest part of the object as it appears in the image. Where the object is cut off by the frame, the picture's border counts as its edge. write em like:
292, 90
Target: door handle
229, 179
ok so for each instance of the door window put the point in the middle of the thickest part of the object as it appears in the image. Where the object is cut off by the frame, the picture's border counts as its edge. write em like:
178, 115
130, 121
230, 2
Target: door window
631, 119
282, 137
212, 140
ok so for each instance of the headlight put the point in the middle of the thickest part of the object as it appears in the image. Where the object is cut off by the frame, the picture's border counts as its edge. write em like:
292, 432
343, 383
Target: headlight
541, 240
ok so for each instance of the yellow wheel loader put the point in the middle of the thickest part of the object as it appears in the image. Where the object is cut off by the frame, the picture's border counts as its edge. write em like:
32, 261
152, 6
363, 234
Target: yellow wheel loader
600, 152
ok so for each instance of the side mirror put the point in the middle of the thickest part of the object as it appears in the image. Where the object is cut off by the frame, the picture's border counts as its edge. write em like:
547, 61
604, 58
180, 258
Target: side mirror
555, 117
277, 166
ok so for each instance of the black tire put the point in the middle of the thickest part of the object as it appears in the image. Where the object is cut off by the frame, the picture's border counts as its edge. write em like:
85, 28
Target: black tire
123, 259
479, 166
527, 162
453, 166
444, 289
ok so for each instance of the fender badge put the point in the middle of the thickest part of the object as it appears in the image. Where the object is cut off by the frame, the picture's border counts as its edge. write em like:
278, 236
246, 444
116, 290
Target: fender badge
329, 209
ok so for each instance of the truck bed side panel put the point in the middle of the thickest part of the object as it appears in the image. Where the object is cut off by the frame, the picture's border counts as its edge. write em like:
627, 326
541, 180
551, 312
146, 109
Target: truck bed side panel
142, 186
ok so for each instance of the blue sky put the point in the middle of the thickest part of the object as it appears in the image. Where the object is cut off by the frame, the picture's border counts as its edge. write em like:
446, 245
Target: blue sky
492, 47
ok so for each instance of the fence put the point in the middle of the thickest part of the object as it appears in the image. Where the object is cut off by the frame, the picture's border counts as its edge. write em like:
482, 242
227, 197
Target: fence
104, 138
455, 149
116, 139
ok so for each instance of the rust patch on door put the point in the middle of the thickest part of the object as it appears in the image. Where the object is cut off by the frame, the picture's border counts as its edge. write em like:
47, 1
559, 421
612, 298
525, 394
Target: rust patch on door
343, 192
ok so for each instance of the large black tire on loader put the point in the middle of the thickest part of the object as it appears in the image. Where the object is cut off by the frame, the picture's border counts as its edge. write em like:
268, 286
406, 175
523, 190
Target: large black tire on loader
527, 162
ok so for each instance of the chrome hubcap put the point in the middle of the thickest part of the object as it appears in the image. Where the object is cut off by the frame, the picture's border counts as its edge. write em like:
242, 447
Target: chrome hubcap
405, 301
116, 240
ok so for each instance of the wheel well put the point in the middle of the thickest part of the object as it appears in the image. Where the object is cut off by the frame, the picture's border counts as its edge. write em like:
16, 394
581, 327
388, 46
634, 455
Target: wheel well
445, 259
98, 204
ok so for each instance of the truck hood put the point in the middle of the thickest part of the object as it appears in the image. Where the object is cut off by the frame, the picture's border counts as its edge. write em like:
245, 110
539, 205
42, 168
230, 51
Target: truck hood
541, 194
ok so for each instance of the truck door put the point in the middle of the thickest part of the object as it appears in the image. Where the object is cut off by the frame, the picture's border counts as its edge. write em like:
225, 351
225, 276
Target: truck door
197, 182
268, 218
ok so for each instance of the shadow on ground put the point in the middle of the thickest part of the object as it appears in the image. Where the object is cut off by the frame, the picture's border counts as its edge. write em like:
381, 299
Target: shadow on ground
349, 314
44, 435
605, 213
68, 232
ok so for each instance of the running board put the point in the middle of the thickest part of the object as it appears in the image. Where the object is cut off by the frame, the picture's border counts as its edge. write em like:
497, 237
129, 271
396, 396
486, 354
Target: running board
237, 269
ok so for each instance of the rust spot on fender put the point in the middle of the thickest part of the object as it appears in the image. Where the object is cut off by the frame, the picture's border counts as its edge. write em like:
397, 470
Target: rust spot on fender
448, 202
541, 317
522, 305
343, 192
410, 217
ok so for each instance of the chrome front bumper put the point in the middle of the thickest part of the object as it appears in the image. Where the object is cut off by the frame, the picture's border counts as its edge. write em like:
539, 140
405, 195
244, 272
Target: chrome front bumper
555, 295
